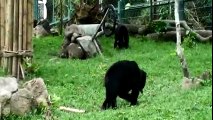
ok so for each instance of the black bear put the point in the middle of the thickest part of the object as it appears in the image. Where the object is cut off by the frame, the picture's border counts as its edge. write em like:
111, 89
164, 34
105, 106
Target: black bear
121, 37
124, 79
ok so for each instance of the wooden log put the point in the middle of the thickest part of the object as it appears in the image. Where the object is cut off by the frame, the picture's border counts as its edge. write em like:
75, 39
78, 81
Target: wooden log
29, 24
186, 27
15, 38
133, 29
71, 109
24, 29
2, 24
204, 33
9, 30
0, 27
171, 35
0, 21
168, 36
20, 37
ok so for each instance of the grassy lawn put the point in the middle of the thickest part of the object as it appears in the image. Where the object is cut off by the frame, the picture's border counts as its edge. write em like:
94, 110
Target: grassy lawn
79, 83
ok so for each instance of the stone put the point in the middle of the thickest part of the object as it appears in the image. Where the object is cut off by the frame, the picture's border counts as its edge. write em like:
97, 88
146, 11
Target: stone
9, 84
74, 51
6, 110
39, 91
39, 31
88, 45
21, 102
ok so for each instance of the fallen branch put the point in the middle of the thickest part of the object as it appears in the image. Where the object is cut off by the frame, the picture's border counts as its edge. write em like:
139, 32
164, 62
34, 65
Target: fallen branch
68, 109
185, 25
168, 36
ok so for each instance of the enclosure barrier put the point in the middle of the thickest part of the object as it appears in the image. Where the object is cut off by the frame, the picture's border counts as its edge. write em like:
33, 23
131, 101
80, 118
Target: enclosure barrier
16, 27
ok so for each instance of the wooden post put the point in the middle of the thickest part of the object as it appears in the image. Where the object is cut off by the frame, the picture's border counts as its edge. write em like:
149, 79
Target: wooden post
20, 35
15, 37
2, 29
8, 34
24, 29
179, 50
29, 24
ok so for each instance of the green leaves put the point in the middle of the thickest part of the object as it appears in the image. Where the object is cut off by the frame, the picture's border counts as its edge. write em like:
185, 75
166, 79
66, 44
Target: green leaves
31, 68
189, 40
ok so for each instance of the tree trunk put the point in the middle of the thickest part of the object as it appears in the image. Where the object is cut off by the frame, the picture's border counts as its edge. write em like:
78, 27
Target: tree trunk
178, 44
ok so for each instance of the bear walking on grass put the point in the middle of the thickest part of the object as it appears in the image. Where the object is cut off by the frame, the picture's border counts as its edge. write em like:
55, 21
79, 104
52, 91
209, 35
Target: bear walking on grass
124, 79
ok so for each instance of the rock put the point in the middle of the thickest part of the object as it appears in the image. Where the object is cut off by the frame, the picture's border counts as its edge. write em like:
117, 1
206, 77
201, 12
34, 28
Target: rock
39, 91
88, 45
21, 102
39, 31
45, 24
6, 110
4, 97
74, 51
9, 84
191, 83
18, 102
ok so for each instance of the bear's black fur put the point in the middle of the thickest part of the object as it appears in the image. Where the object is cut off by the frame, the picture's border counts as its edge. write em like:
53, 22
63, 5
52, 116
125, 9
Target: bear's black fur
124, 79
121, 37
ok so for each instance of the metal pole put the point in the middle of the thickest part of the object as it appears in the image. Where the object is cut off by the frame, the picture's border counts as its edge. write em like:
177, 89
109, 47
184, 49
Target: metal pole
181, 9
61, 17
35, 9
119, 10
151, 14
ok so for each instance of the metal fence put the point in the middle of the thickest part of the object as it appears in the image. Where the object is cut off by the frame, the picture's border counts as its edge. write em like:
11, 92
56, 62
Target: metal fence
52, 10
197, 15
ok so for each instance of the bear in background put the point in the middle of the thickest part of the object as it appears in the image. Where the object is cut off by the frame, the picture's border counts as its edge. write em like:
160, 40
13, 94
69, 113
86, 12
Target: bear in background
121, 37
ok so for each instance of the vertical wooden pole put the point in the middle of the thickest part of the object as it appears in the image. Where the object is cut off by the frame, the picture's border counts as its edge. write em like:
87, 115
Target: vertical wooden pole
2, 24
15, 37
9, 30
179, 50
0, 30
24, 42
20, 35
29, 24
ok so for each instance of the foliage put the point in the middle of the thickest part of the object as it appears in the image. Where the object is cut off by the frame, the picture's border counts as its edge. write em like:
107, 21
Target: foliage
55, 100
157, 26
2, 72
160, 26
31, 68
79, 83
164, 13
189, 40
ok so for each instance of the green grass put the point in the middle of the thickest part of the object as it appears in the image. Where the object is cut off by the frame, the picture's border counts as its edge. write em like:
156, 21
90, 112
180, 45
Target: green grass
79, 83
